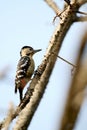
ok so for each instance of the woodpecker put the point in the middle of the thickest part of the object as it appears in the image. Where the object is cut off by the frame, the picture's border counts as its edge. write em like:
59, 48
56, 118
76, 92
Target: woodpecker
25, 68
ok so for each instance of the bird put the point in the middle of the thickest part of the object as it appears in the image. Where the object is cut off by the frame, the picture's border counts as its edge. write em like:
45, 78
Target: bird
25, 69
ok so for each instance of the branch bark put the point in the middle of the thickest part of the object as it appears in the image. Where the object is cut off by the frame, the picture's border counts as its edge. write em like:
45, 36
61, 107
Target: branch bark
76, 93
53, 5
81, 19
73, 1
81, 2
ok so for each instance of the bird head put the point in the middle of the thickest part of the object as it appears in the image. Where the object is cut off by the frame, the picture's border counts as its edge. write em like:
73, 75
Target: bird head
28, 51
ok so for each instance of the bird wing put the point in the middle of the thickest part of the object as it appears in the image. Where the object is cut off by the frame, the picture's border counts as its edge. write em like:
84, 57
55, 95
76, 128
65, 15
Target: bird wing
22, 68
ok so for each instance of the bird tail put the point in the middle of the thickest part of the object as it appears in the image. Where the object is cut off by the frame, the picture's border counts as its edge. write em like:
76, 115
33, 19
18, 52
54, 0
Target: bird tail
15, 88
21, 94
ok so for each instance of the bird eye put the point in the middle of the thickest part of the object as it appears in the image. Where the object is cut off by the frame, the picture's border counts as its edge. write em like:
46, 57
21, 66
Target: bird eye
30, 48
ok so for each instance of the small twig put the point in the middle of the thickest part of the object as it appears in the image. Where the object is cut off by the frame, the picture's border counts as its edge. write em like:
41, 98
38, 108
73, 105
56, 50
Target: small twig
81, 19
76, 11
80, 12
58, 15
53, 5
67, 61
81, 2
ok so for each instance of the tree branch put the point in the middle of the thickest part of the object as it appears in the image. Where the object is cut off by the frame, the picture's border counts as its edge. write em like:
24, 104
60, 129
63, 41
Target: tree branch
75, 99
53, 5
7, 122
76, 93
81, 2
73, 1
81, 19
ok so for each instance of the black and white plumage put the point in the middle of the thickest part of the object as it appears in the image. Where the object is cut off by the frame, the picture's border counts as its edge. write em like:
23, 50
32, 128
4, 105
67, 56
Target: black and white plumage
25, 68
21, 73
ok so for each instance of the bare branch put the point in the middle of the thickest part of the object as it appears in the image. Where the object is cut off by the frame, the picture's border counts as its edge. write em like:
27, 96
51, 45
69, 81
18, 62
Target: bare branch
73, 1
81, 19
53, 5
81, 2
67, 61
80, 12
9, 116
75, 98
76, 93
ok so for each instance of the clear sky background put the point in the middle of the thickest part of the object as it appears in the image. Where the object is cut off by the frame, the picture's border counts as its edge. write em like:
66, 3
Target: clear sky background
24, 22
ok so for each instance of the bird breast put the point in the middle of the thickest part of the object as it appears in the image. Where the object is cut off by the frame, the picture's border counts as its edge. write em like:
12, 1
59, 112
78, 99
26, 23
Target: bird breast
31, 68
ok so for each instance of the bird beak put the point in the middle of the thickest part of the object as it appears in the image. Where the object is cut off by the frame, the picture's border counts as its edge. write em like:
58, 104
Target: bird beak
35, 51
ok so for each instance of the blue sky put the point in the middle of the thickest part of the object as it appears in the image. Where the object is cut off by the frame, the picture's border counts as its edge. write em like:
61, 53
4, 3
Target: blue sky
30, 23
